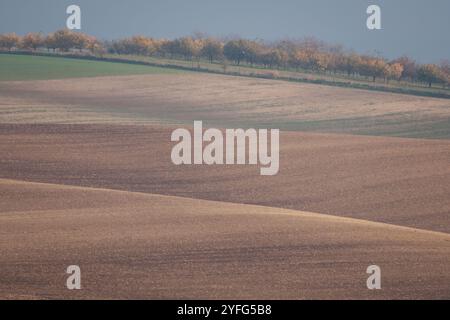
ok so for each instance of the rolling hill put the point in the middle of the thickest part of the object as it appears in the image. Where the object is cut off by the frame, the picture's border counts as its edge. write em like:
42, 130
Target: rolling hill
132, 245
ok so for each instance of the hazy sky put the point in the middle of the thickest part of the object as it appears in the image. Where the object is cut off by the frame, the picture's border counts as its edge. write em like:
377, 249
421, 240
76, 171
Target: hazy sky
419, 28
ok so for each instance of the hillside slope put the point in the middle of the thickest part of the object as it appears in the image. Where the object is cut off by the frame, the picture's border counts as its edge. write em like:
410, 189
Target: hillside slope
394, 180
132, 245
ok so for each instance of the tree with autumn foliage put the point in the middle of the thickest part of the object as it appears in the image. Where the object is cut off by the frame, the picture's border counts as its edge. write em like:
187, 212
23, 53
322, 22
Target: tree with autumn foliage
65, 40
234, 51
212, 49
431, 73
351, 63
32, 41
372, 67
138, 45
9, 41
409, 67
445, 68
393, 71
319, 61
299, 59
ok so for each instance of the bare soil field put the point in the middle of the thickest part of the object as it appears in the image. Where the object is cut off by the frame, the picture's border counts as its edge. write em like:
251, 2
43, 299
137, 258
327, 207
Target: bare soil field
86, 178
224, 101
393, 180
132, 245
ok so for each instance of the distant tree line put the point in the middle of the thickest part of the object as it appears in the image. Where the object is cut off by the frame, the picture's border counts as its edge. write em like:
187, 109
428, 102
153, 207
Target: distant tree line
62, 40
302, 55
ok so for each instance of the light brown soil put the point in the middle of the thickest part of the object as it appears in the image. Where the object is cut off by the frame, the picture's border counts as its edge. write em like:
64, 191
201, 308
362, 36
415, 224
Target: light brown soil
114, 133
223, 101
399, 181
132, 245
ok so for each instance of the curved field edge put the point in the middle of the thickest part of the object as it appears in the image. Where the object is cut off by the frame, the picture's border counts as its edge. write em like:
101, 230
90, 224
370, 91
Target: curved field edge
256, 209
132, 245
393, 180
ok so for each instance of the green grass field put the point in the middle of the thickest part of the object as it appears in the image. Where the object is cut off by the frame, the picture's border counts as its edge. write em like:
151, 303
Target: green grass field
26, 67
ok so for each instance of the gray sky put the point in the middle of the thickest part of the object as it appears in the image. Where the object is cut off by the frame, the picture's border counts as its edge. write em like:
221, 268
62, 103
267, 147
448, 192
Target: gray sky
419, 28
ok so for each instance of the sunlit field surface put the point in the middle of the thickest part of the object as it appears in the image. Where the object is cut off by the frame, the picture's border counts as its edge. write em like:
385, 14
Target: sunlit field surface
86, 176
